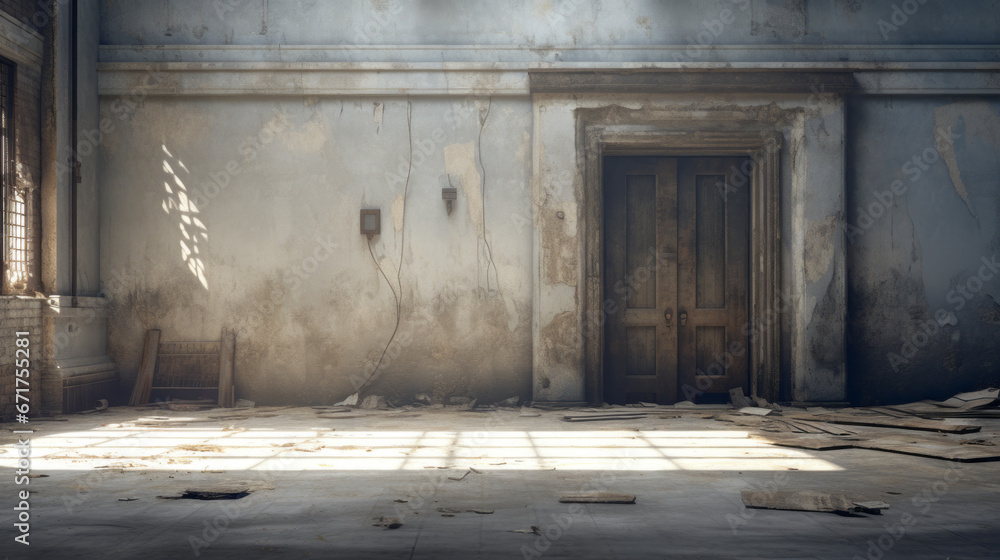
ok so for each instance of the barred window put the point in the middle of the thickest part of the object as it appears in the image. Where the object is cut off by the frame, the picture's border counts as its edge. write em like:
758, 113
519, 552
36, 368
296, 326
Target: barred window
15, 229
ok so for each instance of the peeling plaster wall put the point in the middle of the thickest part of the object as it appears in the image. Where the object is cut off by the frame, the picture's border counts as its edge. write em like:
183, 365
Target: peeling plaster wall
243, 213
914, 334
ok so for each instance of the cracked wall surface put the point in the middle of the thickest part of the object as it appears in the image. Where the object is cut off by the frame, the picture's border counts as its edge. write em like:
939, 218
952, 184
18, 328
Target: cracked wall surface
924, 288
244, 214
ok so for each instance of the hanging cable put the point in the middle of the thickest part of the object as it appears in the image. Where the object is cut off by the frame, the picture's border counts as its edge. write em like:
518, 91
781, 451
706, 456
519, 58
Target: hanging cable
482, 188
394, 329
402, 241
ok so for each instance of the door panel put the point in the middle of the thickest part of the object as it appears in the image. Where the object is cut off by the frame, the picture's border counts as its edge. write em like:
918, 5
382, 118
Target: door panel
675, 277
640, 276
713, 268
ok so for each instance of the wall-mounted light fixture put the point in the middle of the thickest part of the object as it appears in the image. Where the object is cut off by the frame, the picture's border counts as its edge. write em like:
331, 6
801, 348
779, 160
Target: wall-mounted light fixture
371, 222
449, 195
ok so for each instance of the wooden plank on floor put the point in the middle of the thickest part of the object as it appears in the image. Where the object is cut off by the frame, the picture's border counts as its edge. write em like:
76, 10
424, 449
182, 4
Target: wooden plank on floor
596, 498
901, 423
144, 379
226, 355
604, 416
815, 442
807, 500
933, 449
823, 427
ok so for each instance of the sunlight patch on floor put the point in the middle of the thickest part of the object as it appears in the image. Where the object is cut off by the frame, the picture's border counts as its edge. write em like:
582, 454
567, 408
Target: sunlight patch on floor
233, 449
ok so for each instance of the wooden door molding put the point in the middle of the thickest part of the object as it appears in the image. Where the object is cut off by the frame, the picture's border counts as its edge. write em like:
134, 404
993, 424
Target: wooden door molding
764, 149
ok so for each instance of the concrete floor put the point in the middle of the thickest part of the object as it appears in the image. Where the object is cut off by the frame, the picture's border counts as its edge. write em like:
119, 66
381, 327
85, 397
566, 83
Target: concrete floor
319, 485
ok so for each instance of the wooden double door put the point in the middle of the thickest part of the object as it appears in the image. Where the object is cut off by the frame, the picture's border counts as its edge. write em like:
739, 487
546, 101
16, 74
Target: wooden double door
676, 279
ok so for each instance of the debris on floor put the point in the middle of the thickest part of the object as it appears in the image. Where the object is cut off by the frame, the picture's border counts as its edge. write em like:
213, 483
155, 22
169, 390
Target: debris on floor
596, 498
604, 416
471, 405
244, 403
811, 500
534, 530
978, 404
512, 401
738, 399
211, 494
810, 441
904, 423
465, 474
200, 447
387, 522
183, 407
755, 410
102, 406
374, 402
935, 449
351, 400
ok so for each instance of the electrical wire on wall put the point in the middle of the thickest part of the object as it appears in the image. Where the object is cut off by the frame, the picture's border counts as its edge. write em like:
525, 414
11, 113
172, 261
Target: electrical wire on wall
482, 188
402, 243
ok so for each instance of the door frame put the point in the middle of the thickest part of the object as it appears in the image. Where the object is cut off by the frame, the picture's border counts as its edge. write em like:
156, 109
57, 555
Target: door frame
764, 150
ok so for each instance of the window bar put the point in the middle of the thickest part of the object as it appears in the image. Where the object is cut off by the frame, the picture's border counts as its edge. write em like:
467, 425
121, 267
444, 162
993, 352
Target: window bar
15, 254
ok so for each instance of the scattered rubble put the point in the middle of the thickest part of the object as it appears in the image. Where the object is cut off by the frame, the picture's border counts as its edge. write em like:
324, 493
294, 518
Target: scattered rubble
387, 522
374, 402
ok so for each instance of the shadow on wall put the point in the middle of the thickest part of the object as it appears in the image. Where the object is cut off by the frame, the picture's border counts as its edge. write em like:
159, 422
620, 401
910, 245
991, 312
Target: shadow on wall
923, 249
194, 234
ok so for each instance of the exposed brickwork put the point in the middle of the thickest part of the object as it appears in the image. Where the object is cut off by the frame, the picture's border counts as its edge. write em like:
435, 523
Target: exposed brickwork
20, 314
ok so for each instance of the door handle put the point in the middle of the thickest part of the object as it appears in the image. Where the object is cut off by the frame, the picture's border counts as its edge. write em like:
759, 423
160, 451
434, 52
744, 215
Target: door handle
668, 315
684, 318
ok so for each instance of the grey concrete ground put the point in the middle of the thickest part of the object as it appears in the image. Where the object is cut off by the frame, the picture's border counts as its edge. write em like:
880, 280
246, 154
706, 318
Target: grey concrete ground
320, 484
